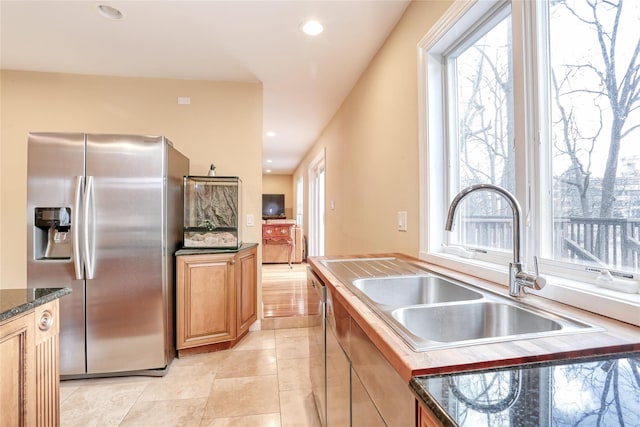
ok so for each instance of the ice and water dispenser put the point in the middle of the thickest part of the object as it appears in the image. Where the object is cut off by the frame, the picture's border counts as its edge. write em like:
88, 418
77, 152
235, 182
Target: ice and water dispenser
52, 233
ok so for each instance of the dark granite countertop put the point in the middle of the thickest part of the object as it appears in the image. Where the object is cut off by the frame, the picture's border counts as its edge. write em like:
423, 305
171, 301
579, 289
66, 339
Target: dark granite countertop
590, 391
17, 301
203, 251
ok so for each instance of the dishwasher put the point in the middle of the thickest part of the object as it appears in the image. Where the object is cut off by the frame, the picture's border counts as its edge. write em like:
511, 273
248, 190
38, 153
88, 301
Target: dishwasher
338, 365
330, 370
317, 347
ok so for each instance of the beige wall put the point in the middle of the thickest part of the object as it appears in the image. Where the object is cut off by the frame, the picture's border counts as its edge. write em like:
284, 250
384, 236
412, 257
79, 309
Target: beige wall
372, 148
222, 125
280, 184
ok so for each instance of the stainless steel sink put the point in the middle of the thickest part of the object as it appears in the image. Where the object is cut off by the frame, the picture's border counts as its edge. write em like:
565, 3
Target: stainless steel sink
411, 290
430, 311
447, 325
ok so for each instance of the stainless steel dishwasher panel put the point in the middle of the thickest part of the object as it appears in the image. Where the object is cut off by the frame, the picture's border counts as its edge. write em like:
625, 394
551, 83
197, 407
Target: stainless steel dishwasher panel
338, 365
388, 391
317, 347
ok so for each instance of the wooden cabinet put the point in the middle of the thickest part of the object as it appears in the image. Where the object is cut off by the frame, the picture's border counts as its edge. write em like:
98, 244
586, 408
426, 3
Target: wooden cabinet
246, 290
426, 417
17, 376
29, 368
206, 307
216, 299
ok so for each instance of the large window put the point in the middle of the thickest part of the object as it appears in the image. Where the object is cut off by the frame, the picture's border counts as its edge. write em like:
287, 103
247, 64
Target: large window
592, 139
543, 99
479, 88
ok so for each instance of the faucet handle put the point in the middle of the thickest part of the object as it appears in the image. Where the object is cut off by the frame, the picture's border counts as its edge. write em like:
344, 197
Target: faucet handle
533, 281
539, 281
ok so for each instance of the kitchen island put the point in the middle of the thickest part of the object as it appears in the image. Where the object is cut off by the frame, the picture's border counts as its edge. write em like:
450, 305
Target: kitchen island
29, 367
607, 337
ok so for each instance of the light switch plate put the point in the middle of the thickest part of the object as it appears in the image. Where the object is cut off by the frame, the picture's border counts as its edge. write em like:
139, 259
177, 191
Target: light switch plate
249, 220
402, 220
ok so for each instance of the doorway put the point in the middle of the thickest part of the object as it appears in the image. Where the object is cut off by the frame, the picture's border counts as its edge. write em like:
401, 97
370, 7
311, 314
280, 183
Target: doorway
316, 205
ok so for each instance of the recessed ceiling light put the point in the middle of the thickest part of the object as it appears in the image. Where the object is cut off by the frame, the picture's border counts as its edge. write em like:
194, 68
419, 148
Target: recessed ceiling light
312, 28
268, 171
271, 133
110, 12
269, 161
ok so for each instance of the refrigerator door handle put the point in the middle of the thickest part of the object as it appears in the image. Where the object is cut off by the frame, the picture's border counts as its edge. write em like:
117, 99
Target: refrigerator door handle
88, 209
75, 221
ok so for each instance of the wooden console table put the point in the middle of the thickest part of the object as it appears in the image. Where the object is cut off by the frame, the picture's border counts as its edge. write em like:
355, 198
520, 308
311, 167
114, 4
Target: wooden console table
279, 234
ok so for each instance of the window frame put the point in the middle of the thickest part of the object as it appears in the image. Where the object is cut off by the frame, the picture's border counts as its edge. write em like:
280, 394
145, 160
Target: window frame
457, 22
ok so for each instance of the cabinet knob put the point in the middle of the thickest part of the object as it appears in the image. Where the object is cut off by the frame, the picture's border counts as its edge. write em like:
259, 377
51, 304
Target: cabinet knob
46, 321
233, 262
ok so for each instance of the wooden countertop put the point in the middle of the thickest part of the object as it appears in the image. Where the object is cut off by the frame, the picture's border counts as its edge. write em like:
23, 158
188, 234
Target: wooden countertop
615, 336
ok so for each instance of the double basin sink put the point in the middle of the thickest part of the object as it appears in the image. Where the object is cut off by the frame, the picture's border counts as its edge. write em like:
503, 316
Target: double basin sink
430, 311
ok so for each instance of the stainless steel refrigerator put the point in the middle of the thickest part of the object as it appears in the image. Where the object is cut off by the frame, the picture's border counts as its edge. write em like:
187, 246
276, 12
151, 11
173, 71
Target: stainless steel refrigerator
104, 217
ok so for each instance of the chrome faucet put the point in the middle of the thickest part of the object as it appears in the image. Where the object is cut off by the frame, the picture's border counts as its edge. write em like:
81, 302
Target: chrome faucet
519, 279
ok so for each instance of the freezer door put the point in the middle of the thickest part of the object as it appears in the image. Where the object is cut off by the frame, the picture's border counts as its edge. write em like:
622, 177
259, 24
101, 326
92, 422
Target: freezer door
125, 295
55, 168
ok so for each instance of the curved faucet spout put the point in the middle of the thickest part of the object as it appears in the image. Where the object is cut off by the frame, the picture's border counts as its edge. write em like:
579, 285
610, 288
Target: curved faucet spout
518, 278
515, 209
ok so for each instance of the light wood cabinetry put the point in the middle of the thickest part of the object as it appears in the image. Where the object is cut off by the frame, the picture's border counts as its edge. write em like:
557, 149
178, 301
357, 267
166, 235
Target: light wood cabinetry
247, 290
17, 379
29, 368
426, 417
216, 299
47, 364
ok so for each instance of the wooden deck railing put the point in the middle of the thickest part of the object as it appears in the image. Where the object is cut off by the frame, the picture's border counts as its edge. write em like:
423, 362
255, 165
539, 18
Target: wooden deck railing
612, 242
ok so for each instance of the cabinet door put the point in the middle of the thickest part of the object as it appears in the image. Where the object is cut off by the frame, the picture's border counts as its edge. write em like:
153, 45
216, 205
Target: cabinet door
388, 391
47, 368
247, 289
363, 411
206, 306
17, 372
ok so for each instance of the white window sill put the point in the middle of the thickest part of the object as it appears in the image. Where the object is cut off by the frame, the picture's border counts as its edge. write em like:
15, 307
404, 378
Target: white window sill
580, 294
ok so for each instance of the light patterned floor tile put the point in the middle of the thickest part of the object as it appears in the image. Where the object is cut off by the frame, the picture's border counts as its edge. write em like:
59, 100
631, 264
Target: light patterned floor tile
297, 409
260, 420
182, 382
257, 340
291, 332
293, 374
263, 381
249, 363
166, 413
100, 405
232, 397
292, 347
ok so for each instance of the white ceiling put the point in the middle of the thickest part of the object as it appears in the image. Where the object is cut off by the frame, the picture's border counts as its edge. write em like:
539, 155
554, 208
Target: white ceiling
304, 79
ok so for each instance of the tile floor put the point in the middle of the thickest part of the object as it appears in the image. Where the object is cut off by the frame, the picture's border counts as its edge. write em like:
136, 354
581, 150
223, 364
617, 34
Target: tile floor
263, 381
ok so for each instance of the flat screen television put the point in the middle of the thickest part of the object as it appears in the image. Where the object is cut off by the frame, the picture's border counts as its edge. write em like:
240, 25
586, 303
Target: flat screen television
273, 206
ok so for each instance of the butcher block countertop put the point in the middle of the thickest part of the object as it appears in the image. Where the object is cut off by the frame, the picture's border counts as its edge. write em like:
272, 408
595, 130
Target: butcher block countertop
611, 336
